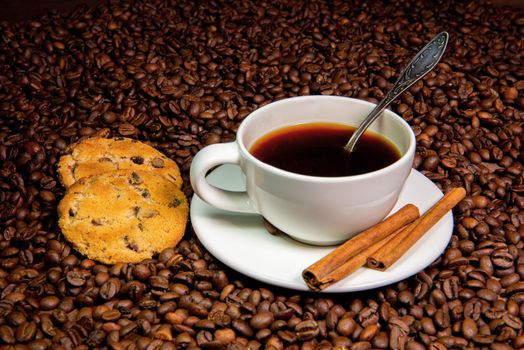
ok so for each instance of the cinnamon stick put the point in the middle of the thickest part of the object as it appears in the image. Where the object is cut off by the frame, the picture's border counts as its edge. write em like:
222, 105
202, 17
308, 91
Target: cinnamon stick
390, 252
352, 254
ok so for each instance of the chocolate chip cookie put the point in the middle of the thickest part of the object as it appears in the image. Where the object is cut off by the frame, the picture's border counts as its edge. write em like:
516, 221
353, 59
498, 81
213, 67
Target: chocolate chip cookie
98, 155
123, 216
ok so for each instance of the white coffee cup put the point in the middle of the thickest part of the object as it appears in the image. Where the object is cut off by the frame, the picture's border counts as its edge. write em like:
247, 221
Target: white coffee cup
311, 209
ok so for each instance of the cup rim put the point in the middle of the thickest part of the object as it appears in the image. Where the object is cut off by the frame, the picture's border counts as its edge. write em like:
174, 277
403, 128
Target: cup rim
321, 179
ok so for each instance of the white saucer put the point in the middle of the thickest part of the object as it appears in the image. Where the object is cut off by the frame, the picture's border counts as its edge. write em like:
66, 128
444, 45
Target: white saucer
242, 242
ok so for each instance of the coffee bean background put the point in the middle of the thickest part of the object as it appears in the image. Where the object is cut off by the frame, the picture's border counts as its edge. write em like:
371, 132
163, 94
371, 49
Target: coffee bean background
181, 75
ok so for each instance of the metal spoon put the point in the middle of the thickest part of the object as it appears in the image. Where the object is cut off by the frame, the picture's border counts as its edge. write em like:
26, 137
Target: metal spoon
425, 60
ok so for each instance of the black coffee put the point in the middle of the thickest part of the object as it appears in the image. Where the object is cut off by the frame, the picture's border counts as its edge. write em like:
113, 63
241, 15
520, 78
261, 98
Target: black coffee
316, 149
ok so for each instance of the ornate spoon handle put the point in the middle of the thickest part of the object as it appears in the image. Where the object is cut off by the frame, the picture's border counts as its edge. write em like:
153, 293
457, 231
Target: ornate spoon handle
424, 61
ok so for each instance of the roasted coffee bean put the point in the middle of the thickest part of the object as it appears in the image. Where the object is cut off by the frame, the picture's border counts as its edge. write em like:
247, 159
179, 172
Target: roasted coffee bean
75, 278
7, 334
49, 302
369, 332
346, 326
111, 315
469, 328
242, 328
428, 326
414, 345
261, 320
110, 288
26, 332
502, 259
307, 330
361, 345
224, 336
451, 287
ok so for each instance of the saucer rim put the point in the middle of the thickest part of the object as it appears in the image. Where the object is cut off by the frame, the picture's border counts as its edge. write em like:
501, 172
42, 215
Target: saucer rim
446, 225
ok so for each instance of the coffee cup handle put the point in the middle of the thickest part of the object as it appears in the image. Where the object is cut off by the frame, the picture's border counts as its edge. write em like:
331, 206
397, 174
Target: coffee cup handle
209, 157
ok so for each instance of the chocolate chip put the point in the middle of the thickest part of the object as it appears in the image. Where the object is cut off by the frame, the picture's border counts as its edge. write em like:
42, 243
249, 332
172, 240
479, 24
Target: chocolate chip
96, 222
157, 162
132, 245
175, 203
137, 160
135, 179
